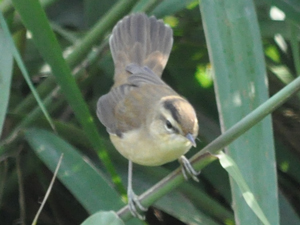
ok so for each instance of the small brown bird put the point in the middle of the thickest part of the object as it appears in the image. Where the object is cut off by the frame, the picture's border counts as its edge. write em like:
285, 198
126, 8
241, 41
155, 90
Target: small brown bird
148, 122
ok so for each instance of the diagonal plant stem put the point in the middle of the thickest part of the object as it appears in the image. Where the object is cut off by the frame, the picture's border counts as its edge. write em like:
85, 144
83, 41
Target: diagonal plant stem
206, 155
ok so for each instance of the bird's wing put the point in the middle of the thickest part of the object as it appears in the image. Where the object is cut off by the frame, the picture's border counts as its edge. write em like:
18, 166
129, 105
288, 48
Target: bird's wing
107, 104
119, 109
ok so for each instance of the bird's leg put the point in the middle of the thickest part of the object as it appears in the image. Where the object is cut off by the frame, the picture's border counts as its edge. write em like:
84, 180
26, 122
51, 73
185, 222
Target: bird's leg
187, 169
133, 201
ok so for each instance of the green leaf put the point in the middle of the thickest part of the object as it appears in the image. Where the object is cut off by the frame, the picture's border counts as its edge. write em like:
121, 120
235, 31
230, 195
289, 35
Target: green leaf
230, 166
24, 70
50, 50
94, 36
107, 218
83, 180
6, 66
235, 49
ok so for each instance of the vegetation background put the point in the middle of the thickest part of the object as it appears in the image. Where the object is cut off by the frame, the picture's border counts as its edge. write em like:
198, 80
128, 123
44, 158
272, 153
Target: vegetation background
213, 58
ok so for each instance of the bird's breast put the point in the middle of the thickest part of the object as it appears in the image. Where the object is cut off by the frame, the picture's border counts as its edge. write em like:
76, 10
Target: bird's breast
143, 150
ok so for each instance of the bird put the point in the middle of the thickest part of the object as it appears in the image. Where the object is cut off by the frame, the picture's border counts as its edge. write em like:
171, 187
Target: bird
148, 122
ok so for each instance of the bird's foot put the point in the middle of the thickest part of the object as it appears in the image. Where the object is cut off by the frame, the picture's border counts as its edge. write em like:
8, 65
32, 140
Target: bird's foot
187, 169
135, 206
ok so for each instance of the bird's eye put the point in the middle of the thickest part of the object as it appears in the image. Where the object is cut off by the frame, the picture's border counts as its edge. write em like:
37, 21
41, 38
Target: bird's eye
169, 125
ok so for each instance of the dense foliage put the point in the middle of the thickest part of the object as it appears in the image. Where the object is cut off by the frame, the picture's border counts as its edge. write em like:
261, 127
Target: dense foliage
93, 175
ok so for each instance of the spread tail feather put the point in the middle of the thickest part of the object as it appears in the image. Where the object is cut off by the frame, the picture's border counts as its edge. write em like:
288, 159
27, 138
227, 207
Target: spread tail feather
140, 40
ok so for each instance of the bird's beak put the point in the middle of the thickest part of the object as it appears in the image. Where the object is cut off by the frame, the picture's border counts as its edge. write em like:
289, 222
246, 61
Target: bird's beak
191, 139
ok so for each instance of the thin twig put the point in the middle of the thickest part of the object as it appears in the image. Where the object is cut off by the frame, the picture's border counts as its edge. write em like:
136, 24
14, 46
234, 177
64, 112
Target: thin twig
3, 176
21, 192
48, 191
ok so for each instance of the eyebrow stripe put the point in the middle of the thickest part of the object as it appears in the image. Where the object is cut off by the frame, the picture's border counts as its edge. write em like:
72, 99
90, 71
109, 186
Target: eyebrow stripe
170, 106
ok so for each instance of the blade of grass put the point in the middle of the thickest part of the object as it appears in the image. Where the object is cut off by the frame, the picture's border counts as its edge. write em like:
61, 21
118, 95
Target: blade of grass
79, 175
230, 166
93, 37
235, 49
24, 71
6, 66
36, 22
6, 5
108, 217
51, 98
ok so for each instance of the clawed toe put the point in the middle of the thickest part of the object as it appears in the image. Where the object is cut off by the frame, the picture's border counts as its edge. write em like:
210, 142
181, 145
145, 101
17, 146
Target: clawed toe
135, 206
187, 169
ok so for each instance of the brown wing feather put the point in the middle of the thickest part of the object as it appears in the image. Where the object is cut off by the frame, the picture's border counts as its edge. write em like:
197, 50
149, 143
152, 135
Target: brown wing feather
118, 110
107, 104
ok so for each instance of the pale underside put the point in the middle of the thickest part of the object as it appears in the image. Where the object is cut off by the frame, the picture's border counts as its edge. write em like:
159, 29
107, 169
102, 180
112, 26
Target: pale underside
154, 153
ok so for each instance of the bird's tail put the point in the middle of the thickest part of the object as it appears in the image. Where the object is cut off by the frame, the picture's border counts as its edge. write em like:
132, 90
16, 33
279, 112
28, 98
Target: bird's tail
141, 40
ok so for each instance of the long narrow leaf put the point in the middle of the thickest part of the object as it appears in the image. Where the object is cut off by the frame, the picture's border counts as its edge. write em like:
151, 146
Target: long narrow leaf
230, 166
93, 37
108, 218
24, 70
49, 48
240, 83
6, 66
87, 184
